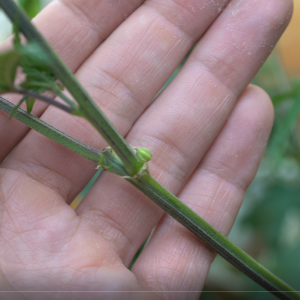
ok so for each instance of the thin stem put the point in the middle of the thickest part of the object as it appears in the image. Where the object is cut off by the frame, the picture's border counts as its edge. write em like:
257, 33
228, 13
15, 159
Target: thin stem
61, 95
44, 98
88, 107
214, 239
51, 132
52, 88
169, 203
145, 183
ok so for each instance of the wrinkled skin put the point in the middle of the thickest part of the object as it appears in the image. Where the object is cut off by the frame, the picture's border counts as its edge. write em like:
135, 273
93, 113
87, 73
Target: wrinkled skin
207, 132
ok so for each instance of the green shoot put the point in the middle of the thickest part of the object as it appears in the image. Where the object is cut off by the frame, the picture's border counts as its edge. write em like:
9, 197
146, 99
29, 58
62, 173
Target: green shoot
42, 68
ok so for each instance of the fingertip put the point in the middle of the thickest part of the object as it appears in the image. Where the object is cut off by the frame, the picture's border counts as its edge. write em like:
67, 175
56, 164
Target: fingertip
239, 148
260, 105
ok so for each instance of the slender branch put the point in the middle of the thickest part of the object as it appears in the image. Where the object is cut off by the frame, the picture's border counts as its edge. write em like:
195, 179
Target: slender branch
214, 239
44, 98
88, 107
51, 132
145, 183
168, 202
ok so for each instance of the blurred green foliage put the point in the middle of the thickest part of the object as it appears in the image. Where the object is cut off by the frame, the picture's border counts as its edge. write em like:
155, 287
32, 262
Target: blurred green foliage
31, 7
268, 225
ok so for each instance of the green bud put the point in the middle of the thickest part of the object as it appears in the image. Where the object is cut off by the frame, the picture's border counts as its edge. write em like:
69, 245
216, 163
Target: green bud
101, 159
144, 154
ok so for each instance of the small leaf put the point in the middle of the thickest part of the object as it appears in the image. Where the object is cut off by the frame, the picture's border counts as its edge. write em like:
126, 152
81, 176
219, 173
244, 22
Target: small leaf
16, 108
35, 58
9, 62
16, 31
29, 103
61, 87
31, 7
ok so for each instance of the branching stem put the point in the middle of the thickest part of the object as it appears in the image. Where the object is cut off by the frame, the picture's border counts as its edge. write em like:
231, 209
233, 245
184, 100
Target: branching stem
86, 104
169, 203
44, 98
51, 132
127, 164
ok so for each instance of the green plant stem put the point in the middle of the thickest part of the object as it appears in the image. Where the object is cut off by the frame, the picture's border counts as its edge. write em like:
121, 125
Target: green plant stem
51, 132
87, 106
132, 164
169, 203
214, 239
44, 98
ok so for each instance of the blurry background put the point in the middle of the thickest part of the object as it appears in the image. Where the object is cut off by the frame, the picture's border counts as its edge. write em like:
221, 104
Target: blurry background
268, 225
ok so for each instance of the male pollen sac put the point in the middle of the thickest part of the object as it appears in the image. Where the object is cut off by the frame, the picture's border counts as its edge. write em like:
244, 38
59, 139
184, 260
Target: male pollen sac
101, 160
144, 154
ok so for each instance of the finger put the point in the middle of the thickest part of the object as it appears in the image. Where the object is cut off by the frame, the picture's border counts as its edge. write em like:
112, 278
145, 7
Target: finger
123, 76
77, 29
181, 125
174, 259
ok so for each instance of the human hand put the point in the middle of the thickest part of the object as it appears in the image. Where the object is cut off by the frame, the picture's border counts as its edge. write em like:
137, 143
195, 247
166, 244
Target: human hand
207, 132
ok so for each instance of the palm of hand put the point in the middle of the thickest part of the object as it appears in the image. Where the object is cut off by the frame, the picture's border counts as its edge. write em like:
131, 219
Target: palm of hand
207, 137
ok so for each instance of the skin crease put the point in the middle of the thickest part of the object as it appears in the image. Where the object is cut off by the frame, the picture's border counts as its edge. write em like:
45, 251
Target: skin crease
207, 132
